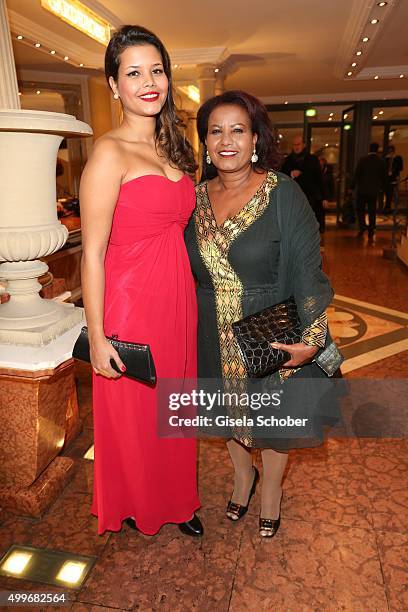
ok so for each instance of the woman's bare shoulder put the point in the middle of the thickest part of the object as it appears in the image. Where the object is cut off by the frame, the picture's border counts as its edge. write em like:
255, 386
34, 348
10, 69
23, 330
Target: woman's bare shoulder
108, 143
106, 160
108, 152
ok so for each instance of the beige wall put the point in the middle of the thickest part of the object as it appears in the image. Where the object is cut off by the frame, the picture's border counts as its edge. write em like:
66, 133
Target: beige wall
99, 96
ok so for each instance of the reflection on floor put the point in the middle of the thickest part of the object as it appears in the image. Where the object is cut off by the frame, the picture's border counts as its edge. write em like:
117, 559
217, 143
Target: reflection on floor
383, 221
343, 539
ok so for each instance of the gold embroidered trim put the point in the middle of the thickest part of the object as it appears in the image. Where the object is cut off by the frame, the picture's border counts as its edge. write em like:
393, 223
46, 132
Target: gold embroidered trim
315, 333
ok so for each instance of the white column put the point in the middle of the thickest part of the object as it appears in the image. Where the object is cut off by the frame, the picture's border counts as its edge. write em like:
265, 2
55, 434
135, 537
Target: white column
220, 84
9, 97
206, 78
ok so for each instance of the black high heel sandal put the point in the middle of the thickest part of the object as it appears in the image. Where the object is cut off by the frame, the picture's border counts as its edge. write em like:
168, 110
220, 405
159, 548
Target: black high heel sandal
238, 510
269, 527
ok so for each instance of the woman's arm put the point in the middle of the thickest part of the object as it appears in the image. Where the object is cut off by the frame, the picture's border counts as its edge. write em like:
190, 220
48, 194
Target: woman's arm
100, 184
304, 278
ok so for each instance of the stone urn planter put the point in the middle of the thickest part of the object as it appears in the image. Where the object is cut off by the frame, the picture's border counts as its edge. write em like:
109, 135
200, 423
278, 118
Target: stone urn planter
29, 227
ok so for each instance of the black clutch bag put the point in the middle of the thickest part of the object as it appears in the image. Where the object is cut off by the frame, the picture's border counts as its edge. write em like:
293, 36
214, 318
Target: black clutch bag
136, 357
254, 334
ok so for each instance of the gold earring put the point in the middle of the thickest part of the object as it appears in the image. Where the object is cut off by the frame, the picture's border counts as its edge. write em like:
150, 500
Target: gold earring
116, 96
254, 157
208, 158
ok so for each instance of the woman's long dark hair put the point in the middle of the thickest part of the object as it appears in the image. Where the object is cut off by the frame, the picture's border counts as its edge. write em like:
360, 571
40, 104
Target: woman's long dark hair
266, 148
169, 139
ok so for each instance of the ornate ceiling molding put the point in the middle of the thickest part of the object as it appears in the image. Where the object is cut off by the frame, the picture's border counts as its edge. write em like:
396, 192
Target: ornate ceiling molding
32, 31
383, 72
102, 11
193, 57
357, 27
337, 97
79, 54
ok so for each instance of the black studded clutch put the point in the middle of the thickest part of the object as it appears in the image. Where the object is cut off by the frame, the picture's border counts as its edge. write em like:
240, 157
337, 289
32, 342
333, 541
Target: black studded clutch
254, 334
136, 357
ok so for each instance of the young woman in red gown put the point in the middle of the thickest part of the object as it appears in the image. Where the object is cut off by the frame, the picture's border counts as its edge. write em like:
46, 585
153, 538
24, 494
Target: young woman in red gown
136, 200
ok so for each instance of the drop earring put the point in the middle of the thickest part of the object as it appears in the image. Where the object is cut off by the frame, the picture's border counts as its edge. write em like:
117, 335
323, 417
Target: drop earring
208, 158
116, 96
254, 157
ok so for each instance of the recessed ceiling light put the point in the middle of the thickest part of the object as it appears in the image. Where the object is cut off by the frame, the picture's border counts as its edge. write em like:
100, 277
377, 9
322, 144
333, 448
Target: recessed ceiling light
330, 118
375, 117
331, 114
365, 39
287, 102
176, 65
382, 3
53, 52
349, 73
374, 21
81, 65
38, 92
66, 58
345, 116
327, 144
401, 76
376, 77
217, 70
19, 37
359, 53
38, 45
354, 64
381, 112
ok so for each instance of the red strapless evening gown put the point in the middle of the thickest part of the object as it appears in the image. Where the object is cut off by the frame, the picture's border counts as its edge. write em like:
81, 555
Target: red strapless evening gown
149, 298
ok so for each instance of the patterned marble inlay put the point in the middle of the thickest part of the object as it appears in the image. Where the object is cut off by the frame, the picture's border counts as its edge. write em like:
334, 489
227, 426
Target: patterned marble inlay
366, 333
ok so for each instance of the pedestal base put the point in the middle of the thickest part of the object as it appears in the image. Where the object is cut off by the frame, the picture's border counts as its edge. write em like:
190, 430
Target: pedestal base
32, 501
68, 317
38, 418
73, 423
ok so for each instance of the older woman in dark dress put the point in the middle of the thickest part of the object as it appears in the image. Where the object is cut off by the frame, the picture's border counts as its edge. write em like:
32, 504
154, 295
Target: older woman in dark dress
253, 241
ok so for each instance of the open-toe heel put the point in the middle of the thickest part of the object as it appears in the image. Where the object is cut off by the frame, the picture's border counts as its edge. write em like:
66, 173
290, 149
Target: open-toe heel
269, 527
236, 511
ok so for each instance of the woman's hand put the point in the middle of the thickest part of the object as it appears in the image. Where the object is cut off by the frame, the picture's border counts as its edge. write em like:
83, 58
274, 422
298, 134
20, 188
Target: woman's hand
301, 353
101, 353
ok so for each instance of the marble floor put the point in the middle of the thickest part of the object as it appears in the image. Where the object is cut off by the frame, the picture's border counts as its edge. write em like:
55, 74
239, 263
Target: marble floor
343, 541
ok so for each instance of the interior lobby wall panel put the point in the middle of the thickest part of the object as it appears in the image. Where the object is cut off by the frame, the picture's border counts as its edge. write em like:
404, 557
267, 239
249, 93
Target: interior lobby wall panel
99, 95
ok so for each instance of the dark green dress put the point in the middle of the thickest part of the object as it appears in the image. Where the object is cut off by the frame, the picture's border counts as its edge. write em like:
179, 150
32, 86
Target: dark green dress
267, 252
